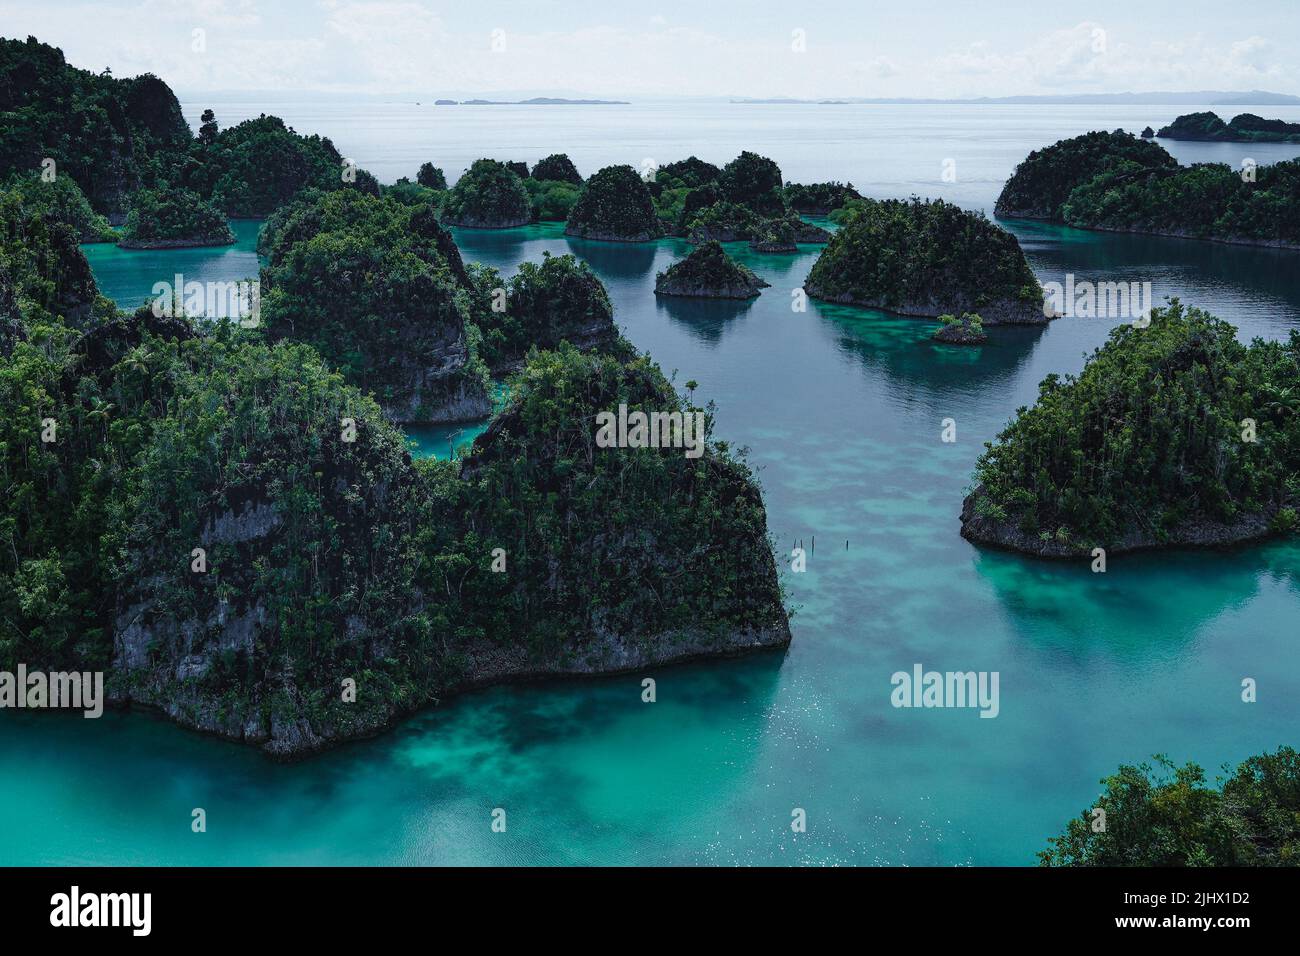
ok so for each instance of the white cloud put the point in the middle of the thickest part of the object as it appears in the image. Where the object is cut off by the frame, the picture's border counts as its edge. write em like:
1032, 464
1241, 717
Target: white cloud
391, 46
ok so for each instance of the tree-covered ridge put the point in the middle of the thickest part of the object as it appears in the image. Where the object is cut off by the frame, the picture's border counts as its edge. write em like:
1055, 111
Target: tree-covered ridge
380, 291
724, 221
619, 554
431, 177
62, 199
753, 181
691, 172
744, 200
1242, 128
489, 195
540, 306
412, 194
234, 533
1167, 816
72, 424
1203, 201
557, 168
1172, 434
1042, 183
171, 217
819, 199
551, 199
708, 272
253, 168
48, 273
115, 137
111, 136
616, 205
926, 258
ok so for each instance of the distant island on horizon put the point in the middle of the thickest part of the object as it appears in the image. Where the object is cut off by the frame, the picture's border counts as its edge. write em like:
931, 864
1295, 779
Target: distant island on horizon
534, 101
1200, 97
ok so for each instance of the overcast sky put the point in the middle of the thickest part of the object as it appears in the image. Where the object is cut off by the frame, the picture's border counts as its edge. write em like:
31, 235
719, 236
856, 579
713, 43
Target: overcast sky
940, 48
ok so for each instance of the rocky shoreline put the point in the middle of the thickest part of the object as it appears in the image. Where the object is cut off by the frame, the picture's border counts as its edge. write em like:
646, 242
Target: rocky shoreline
154, 244
491, 666
1006, 535
1003, 312
1184, 234
474, 222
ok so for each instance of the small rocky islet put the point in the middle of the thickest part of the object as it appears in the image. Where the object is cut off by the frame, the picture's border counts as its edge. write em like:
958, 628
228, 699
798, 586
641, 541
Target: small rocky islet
1173, 435
966, 329
709, 273
926, 259
173, 218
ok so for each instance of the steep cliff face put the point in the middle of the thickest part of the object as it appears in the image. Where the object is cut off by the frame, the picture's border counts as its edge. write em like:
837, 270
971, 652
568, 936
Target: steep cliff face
618, 557
47, 269
268, 557
266, 561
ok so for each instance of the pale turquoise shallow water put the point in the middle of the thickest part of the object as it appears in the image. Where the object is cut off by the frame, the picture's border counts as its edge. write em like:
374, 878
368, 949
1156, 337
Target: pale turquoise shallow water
841, 409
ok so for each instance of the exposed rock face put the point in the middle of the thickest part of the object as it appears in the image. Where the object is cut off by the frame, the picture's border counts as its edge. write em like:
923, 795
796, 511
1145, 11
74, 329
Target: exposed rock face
1148, 133
192, 242
490, 195
616, 206
330, 559
709, 273
1198, 533
58, 279
303, 576
998, 312
435, 396
606, 652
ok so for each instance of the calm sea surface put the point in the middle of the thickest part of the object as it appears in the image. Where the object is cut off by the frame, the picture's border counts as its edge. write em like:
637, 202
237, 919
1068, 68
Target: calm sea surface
841, 411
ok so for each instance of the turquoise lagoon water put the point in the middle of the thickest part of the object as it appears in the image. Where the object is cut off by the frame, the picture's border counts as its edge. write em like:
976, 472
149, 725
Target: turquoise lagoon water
841, 410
